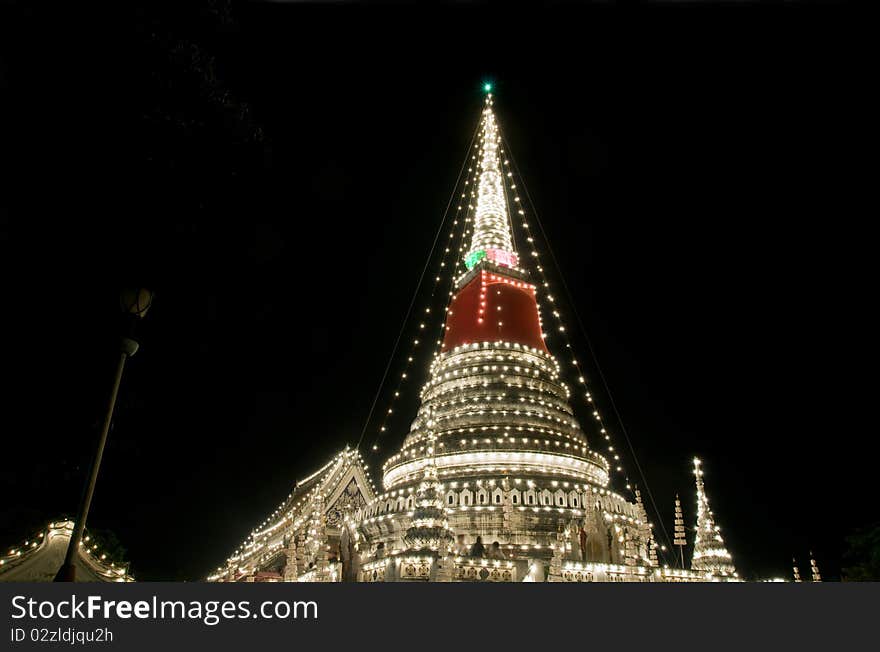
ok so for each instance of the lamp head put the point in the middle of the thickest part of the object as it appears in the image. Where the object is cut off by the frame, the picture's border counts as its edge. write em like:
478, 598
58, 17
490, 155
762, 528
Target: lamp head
136, 301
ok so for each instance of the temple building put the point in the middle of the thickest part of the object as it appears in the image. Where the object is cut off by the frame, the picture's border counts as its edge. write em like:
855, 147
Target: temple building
39, 557
496, 480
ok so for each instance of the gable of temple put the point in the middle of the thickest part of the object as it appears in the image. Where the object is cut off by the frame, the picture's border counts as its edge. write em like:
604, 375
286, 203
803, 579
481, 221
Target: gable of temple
347, 499
304, 532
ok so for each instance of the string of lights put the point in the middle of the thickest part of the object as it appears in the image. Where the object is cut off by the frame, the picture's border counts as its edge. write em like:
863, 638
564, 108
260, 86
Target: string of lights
89, 548
465, 232
459, 223
560, 323
511, 167
598, 367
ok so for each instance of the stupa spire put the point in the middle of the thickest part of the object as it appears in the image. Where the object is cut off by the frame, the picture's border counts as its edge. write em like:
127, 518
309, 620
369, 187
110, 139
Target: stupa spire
492, 236
710, 553
814, 569
429, 528
680, 539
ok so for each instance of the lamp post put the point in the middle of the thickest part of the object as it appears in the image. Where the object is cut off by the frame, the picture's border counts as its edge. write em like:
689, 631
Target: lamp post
134, 303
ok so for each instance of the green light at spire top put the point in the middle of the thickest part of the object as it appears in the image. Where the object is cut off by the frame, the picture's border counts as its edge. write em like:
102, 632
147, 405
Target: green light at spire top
487, 87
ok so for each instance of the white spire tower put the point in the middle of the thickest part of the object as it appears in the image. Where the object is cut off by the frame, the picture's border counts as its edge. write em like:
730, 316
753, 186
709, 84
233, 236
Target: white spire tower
429, 528
710, 554
680, 539
492, 233
814, 568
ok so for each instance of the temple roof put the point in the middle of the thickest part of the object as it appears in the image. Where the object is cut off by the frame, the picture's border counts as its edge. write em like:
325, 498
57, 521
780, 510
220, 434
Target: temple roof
341, 481
40, 558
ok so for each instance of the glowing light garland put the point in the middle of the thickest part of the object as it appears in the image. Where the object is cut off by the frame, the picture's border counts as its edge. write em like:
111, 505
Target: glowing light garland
561, 328
88, 554
461, 218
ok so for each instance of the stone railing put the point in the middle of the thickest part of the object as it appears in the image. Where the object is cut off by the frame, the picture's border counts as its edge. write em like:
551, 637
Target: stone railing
489, 570
332, 574
602, 572
374, 571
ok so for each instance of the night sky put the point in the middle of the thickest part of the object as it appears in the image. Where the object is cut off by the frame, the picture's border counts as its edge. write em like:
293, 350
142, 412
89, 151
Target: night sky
276, 172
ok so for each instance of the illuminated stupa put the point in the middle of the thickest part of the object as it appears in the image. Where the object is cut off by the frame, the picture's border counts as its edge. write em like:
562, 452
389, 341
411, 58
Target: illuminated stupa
512, 458
710, 553
495, 452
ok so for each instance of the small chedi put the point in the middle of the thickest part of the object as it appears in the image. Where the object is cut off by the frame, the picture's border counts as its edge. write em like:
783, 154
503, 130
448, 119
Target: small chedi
496, 481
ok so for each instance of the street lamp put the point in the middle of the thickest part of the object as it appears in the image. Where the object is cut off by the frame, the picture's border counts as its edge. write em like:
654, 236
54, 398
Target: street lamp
134, 303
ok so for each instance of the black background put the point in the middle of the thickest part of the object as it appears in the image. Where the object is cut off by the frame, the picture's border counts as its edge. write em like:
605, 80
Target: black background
277, 171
